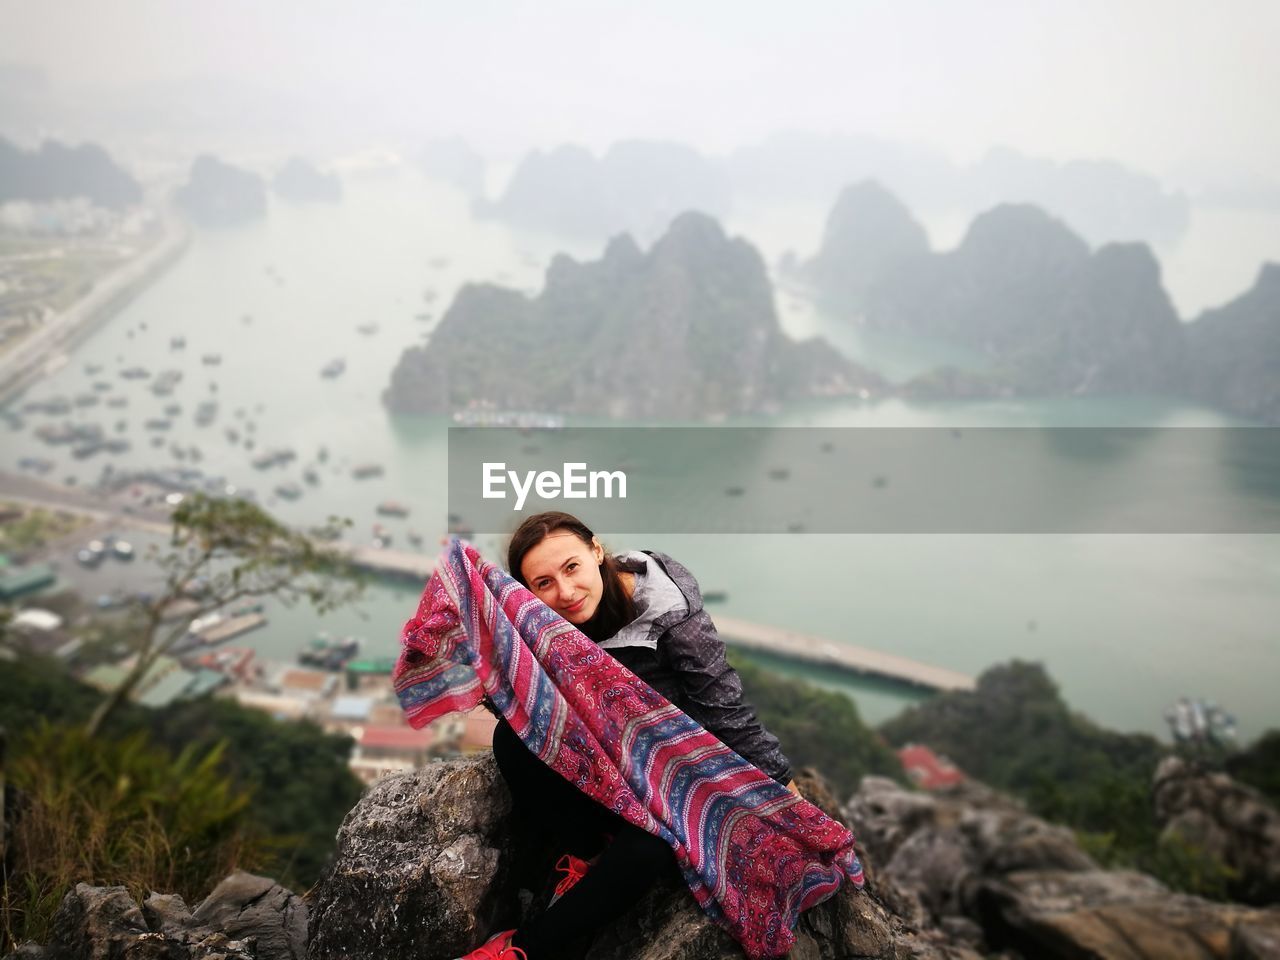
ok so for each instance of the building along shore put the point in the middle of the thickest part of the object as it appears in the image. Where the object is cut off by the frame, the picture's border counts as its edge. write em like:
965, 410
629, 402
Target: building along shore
28, 361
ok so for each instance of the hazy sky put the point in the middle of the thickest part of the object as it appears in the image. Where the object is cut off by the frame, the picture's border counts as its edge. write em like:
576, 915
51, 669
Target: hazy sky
1181, 89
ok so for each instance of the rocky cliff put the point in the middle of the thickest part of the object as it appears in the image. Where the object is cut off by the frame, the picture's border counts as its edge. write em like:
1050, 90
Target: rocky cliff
1054, 317
687, 329
218, 194
1237, 351
987, 873
428, 866
636, 186
1227, 820
429, 863
300, 182
868, 233
57, 171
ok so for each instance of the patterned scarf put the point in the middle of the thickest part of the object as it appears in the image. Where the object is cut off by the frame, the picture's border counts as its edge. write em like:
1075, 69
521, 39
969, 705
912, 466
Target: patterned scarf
754, 854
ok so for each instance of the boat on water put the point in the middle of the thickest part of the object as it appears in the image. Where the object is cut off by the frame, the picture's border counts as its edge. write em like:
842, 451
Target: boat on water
366, 471
135, 373
289, 491
206, 412
367, 329
381, 536
39, 465
163, 384
334, 368
329, 653
310, 476
177, 343
272, 458
211, 359
520, 419
392, 508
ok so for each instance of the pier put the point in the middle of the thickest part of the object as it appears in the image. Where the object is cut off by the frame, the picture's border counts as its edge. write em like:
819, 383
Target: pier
415, 567
827, 653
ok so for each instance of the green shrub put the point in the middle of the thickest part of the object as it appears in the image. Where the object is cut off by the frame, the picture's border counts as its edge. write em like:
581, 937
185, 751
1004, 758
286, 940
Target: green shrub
116, 811
818, 728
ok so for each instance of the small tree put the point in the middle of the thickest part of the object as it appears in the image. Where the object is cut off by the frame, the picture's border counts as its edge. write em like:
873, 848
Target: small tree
223, 551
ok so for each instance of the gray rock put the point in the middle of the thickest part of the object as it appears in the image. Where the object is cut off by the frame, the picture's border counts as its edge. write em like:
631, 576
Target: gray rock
245, 906
1256, 940
104, 923
992, 876
98, 922
419, 867
167, 913
1226, 820
1064, 915
427, 866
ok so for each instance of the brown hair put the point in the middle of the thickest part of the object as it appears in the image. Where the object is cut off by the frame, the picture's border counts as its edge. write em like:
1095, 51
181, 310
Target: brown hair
616, 608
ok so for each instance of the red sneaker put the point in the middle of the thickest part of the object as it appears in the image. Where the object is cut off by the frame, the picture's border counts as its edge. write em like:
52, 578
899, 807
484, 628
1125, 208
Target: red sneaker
574, 870
497, 947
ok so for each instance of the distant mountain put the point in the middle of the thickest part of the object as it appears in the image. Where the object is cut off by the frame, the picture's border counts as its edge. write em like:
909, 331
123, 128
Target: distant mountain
57, 171
218, 194
1236, 350
1027, 291
687, 329
1101, 200
868, 232
799, 167
300, 182
636, 187
454, 161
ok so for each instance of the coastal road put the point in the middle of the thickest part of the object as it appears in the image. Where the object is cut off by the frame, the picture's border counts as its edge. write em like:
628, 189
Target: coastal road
29, 360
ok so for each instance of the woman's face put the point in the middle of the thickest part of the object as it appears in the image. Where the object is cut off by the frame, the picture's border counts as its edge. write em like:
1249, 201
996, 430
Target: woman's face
563, 571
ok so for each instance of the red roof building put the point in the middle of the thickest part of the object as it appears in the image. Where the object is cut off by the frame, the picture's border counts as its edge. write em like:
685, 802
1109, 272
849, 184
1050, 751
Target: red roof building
927, 770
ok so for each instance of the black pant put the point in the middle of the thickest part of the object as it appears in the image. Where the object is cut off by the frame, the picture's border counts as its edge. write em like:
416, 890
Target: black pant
628, 867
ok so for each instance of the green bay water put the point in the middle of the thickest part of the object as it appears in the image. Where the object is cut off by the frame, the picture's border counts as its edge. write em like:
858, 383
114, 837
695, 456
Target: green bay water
1125, 624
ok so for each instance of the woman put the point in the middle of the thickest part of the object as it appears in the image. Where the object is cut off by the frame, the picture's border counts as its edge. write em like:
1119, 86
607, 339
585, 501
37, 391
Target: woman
646, 611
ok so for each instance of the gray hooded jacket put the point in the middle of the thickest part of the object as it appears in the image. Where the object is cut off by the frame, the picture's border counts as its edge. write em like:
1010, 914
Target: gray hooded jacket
679, 654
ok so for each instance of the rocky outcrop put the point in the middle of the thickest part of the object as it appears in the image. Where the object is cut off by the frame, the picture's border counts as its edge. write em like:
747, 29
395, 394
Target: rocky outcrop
218, 194
1237, 351
1226, 820
685, 330
1026, 291
104, 923
57, 171
428, 865
300, 182
637, 186
868, 233
248, 907
978, 863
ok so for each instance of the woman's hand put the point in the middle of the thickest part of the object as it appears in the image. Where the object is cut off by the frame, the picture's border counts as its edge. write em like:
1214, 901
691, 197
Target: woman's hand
791, 785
